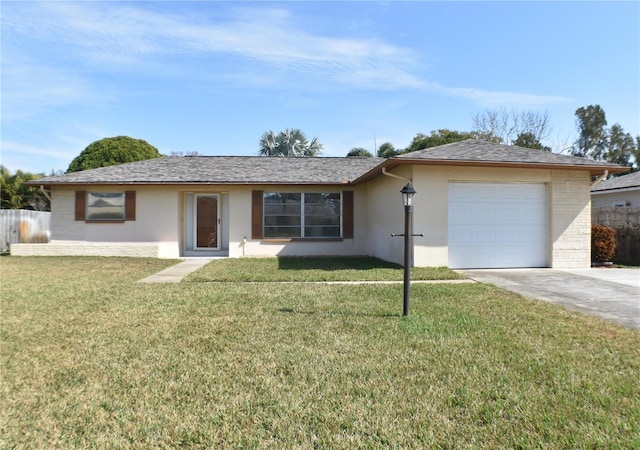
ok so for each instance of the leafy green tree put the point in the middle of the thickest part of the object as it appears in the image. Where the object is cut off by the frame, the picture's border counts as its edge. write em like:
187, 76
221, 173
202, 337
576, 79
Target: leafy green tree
621, 146
596, 141
592, 128
14, 194
439, 137
528, 140
359, 152
290, 142
387, 150
111, 151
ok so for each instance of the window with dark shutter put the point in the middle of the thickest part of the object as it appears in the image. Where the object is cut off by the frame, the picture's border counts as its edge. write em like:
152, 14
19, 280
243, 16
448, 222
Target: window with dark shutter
347, 214
302, 215
130, 205
102, 207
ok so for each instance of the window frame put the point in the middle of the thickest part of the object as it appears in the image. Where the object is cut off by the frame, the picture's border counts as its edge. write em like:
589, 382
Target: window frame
304, 215
97, 200
82, 206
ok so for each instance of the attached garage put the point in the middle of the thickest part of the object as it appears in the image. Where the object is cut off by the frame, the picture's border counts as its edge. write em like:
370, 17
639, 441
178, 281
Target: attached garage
497, 225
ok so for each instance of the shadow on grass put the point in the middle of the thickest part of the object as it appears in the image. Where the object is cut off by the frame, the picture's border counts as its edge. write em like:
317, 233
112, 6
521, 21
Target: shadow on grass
336, 313
330, 263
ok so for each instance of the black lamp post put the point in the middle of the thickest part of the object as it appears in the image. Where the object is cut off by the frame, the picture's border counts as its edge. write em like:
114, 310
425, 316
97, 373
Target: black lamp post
407, 199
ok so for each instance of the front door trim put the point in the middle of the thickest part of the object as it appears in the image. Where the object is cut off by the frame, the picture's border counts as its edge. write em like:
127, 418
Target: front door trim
210, 237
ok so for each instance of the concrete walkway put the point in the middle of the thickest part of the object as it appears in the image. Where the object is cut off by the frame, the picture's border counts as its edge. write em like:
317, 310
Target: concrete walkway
175, 274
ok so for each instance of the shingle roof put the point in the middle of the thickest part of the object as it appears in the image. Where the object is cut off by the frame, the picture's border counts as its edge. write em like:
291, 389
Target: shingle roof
272, 170
222, 170
476, 150
631, 180
476, 153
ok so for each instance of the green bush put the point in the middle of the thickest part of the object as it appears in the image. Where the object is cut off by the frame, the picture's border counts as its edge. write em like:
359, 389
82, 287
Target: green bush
603, 243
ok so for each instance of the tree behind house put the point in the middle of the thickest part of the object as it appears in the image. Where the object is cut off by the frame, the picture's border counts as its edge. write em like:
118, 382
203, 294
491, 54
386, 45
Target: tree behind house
505, 127
359, 152
289, 143
436, 138
596, 141
387, 150
528, 140
112, 151
14, 194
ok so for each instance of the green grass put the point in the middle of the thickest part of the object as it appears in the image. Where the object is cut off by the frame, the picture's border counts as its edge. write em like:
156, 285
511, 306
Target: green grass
92, 359
314, 269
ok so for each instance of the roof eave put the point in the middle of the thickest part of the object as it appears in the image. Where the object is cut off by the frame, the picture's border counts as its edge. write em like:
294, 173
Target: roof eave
187, 183
614, 190
594, 169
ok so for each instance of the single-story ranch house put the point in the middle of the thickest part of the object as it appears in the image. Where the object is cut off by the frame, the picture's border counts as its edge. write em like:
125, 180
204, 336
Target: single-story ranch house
478, 205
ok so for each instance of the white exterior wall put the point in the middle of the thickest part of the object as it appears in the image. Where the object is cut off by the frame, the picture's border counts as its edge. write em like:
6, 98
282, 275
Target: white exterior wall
159, 228
568, 215
385, 215
155, 232
83, 248
570, 219
157, 218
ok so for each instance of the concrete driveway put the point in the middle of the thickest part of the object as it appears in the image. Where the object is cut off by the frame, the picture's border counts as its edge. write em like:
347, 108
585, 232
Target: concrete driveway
612, 294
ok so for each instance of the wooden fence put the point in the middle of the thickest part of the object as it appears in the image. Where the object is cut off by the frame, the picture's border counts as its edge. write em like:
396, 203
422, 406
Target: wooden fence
23, 226
626, 223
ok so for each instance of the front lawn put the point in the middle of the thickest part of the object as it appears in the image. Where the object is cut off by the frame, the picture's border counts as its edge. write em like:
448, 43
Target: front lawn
314, 269
93, 359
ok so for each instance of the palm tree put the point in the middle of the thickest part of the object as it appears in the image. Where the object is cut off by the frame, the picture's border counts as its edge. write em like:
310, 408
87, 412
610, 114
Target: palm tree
16, 195
289, 143
269, 144
314, 148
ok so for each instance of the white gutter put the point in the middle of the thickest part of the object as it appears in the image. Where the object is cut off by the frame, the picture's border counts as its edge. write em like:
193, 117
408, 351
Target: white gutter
384, 172
600, 178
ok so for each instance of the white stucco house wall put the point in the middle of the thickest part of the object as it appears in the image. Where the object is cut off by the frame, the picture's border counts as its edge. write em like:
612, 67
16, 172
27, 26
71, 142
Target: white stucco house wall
622, 191
478, 205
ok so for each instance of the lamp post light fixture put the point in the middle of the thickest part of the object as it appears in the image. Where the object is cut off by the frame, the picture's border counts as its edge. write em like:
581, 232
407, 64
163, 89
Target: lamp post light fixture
407, 199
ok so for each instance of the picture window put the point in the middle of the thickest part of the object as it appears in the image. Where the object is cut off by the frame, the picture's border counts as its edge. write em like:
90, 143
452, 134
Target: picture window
302, 215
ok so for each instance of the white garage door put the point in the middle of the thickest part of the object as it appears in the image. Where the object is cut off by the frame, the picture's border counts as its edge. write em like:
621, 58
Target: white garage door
497, 225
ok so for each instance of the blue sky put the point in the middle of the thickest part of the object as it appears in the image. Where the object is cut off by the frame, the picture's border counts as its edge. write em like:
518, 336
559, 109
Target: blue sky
211, 76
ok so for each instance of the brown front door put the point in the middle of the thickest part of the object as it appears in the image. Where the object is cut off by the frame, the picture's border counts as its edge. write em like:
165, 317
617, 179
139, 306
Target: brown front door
206, 221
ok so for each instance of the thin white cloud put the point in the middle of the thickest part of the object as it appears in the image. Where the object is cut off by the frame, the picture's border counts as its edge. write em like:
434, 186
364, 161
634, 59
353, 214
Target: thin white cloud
497, 98
266, 43
30, 87
20, 149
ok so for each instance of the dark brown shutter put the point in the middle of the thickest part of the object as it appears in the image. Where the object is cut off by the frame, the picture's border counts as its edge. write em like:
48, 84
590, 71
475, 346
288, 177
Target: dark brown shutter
130, 205
81, 205
347, 214
257, 199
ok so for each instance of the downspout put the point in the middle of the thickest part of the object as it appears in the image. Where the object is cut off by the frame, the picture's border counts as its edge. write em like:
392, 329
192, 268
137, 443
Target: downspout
384, 172
597, 180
